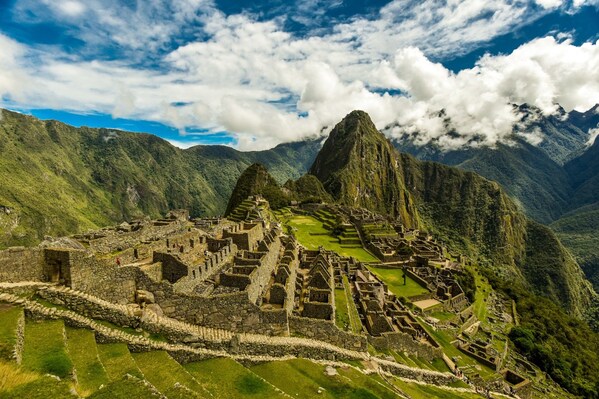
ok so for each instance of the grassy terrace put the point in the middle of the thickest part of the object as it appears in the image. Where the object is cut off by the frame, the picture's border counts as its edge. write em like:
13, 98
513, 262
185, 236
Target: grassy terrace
444, 338
84, 353
166, 374
9, 317
225, 378
45, 350
311, 233
303, 379
394, 279
118, 361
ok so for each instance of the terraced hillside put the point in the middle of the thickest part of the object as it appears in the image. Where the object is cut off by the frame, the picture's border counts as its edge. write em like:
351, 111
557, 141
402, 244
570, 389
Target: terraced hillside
59, 361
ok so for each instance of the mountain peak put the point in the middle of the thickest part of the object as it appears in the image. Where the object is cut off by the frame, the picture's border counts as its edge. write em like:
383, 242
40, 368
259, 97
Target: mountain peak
357, 165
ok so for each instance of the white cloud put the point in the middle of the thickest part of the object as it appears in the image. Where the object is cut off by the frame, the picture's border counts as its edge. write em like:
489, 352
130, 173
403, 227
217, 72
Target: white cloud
549, 3
71, 8
266, 86
594, 133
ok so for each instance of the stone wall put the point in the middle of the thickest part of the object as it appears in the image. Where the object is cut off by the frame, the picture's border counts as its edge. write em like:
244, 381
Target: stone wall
232, 311
404, 342
261, 276
326, 331
173, 268
102, 278
245, 235
22, 264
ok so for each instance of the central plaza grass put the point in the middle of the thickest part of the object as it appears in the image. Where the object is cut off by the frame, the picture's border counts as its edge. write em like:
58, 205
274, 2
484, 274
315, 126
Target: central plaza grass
311, 233
394, 280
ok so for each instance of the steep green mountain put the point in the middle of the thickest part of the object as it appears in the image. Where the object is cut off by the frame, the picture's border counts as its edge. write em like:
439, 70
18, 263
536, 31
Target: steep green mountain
533, 175
579, 228
537, 183
475, 214
256, 180
584, 175
579, 231
57, 179
357, 167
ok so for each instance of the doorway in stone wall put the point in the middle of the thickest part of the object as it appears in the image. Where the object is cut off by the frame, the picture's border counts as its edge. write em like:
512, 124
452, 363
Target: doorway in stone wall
55, 268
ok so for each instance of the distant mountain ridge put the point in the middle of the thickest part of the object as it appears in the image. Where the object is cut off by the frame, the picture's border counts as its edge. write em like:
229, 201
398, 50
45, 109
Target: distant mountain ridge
58, 179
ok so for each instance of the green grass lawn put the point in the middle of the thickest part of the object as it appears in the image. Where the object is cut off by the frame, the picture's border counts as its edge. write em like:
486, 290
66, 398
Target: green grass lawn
84, 354
311, 234
9, 318
44, 350
225, 378
442, 316
118, 361
43, 387
301, 378
341, 312
164, 373
394, 280
354, 316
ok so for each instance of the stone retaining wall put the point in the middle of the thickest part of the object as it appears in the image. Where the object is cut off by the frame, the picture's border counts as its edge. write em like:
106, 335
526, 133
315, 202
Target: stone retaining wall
405, 342
326, 331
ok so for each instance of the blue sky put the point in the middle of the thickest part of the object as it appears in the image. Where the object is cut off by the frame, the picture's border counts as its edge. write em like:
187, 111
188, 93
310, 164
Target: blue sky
253, 75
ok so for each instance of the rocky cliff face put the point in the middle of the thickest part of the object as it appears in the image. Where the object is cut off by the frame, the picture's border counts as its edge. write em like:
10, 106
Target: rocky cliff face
358, 167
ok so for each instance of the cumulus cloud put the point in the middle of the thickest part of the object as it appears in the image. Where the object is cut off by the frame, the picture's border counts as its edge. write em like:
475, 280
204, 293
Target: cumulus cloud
477, 102
265, 86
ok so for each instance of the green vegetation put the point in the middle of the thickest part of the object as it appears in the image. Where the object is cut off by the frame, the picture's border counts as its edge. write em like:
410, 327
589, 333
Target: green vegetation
117, 361
312, 234
579, 232
394, 280
9, 318
44, 350
59, 180
125, 388
559, 344
354, 316
341, 311
225, 378
309, 380
165, 373
43, 387
356, 166
84, 354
